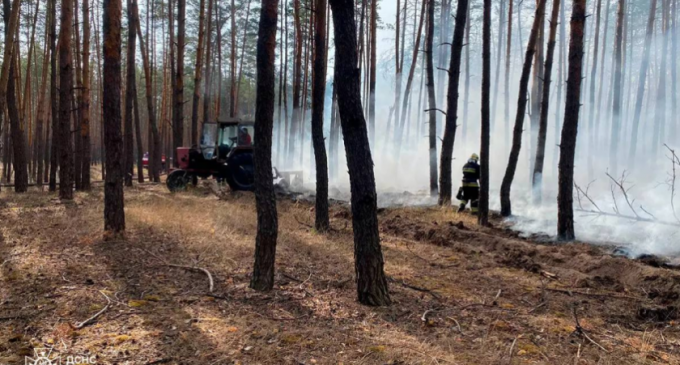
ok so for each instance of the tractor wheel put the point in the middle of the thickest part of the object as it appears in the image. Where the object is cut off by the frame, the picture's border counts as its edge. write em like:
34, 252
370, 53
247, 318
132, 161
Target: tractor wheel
241, 174
178, 180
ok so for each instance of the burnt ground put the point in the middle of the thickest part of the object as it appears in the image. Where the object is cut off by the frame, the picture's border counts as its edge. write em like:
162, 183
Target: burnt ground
462, 294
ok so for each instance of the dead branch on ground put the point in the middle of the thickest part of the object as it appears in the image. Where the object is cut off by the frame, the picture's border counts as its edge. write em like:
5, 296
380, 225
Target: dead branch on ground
416, 288
621, 185
91, 319
190, 268
579, 330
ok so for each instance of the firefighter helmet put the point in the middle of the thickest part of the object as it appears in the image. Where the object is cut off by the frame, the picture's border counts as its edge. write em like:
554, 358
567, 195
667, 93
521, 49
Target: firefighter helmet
474, 157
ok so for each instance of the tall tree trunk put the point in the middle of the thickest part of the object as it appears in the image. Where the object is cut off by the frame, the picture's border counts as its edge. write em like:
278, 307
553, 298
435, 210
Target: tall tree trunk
114, 213
560, 82
65, 101
178, 94
17, 134
604, 53
445, 182
660, 112
536, 92
242, 59
322, 222
297, 84
372, 80
54, 99
42, 115
10, 25
371, 281
483, 217
508, 63
616, 107
499, 58
232, 58
432, 100
130, 91
267, 221
155, 147
397, 69
674, 68
197, 74
466, 104
593, 83
76, 101
506, 185
133, 24
537, 180
565, 197
85, 102
207, 88
409, 82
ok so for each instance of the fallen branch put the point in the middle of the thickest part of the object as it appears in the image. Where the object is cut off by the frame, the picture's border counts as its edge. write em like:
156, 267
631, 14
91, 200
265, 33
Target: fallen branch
581, 331
194, 268
416, 288
623, 216
91, 319
624, 191
600, 294
460, 330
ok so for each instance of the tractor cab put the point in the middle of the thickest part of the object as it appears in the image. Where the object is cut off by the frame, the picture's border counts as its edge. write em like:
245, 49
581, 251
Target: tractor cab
222, 139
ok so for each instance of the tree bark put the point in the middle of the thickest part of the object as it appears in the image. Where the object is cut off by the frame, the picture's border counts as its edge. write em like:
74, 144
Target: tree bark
155, 147
565, 198
660, 112
322, 222
297, 84
499, 55
232, 59
54, 98
483, 215
133, 24
371, 281
85, 102
242, 59
178, 94
432, 100
537, 180
207, 115
508, 62
11, 25
65, 101
372, 79
593, 83
445, 182
42, 115
267, 221
616, 107
197, 74
506, 185
466, 104
130, 91
114, 213
409, 82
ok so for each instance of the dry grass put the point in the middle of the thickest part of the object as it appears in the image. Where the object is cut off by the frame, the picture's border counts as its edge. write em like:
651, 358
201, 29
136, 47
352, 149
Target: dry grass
485, 299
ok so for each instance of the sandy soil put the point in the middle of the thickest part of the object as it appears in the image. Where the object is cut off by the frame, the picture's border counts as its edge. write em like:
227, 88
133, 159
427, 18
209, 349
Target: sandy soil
462, 295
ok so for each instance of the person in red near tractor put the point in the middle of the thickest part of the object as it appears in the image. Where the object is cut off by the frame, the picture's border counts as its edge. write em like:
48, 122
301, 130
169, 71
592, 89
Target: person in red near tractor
244, 138
470, 189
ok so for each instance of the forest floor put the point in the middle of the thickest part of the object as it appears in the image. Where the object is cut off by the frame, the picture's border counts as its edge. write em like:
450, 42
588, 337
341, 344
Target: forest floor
462, 294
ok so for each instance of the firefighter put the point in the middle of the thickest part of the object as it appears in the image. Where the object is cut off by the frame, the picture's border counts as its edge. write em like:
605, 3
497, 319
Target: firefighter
469, 191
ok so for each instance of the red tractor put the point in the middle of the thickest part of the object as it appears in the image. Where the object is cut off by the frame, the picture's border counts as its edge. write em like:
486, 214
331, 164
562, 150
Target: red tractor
225, 153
